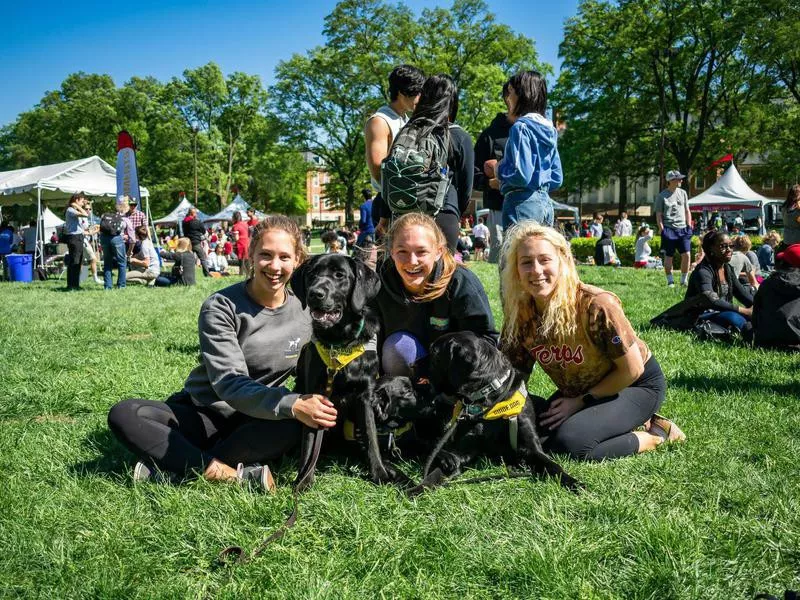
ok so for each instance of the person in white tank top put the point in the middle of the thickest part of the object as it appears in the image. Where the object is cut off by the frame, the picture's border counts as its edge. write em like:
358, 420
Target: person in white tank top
405, 86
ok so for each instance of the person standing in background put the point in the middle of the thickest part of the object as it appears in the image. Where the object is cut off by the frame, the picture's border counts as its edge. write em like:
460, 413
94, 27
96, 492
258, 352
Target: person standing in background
675, 226
242, 241
73, 238
490, 148
623, 226
405, 87
366, 228
194, 230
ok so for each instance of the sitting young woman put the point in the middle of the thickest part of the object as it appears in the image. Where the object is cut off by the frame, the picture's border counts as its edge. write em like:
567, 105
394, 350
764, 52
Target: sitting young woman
715, 279
609, 383
234, 410
425, 294
183, 269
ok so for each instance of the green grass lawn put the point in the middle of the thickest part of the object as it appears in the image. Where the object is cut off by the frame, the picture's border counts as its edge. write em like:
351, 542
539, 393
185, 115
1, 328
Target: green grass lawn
716, 517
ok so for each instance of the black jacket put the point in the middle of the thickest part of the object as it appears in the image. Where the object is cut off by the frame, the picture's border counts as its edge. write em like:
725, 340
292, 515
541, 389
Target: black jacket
194, 230
491, 144
776, 311
705, 280
463, 307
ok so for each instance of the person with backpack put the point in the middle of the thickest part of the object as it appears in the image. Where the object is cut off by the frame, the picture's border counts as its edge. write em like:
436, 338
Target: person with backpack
430, 166
531, 165
115, 231
380, 130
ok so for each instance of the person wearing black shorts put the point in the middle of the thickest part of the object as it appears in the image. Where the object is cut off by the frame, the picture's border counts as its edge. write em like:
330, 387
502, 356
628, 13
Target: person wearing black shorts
675, 226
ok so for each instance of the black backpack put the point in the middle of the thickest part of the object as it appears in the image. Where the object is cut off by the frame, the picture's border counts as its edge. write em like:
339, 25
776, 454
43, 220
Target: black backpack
111, 224
415, 176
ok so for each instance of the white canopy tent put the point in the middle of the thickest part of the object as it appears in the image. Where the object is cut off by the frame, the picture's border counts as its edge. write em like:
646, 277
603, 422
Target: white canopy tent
175, 217
56, 183
729, 192
50, 222
237, 205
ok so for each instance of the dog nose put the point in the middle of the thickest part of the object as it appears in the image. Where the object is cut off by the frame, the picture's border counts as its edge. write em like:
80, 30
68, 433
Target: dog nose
316, 293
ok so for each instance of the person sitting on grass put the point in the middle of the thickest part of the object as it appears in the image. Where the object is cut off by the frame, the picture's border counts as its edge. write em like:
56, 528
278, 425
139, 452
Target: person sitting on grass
766, 254
716, 279
605, 251
145, 266
183, 271
642, 255
742, 264
776, 306
609, 383
234, 412
217, 263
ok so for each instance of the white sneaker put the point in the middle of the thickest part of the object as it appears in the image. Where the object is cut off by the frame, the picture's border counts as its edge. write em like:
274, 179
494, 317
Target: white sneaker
98, 280
141, 472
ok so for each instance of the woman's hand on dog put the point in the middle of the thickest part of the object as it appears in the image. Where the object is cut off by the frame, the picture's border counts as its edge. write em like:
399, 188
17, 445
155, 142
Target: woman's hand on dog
315, 411
560, 410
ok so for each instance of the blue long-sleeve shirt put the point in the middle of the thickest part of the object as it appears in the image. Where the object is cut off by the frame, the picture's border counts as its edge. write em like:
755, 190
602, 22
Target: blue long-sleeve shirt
365, 224
531, 159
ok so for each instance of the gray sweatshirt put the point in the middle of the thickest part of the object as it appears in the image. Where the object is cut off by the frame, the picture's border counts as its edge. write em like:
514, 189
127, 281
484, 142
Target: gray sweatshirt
246, 354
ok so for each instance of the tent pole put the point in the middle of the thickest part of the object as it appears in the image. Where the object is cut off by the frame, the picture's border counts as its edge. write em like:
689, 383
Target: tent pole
38, 253
150, 220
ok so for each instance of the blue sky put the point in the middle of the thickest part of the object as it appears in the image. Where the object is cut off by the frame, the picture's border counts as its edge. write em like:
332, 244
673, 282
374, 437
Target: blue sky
45, 41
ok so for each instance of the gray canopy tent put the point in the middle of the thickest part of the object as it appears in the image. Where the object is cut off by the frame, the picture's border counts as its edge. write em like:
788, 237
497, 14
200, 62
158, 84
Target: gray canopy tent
56, 183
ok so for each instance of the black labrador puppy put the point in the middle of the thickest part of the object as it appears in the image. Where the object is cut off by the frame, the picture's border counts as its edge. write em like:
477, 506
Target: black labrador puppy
341, 361
489, 411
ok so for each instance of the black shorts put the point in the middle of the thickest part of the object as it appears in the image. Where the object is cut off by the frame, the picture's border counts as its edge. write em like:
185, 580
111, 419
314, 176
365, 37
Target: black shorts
676, 239
480, 243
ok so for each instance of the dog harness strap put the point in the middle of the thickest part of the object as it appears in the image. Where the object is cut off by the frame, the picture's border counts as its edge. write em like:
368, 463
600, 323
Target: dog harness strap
510, 407
493, 386
335, 358
513, 433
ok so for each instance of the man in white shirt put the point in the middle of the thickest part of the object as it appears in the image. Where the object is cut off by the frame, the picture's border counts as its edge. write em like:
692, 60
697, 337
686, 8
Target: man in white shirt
482, 238
405, 87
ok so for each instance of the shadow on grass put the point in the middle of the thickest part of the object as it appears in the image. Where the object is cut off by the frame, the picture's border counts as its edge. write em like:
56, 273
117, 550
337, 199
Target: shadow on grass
113, 461
190, 349
721, 384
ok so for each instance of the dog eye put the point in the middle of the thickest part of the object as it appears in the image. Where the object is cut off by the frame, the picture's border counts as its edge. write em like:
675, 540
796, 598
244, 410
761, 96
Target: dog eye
338, 274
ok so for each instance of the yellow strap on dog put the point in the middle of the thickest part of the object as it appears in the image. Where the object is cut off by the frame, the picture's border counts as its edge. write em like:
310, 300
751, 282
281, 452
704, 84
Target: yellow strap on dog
335, 360
507, 408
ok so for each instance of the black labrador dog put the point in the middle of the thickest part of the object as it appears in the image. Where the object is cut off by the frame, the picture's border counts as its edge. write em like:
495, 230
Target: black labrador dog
341, 361
488, 411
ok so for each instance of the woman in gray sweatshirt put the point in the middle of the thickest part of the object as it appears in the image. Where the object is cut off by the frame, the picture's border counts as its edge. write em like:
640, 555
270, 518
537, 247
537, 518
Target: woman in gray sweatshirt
234, 411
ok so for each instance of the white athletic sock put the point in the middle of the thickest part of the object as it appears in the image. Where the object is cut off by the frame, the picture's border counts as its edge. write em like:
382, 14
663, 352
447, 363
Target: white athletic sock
684, 277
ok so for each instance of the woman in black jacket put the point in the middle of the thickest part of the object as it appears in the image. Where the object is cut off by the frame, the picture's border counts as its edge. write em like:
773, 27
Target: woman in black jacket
714, 278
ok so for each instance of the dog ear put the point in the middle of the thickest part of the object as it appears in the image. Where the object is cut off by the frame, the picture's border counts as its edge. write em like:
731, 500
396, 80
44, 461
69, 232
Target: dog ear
366, 286
298, 280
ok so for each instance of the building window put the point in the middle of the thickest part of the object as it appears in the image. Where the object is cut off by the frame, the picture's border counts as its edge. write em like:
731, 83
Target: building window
768, 183
699, 182
316, 200
746, 174
315, 179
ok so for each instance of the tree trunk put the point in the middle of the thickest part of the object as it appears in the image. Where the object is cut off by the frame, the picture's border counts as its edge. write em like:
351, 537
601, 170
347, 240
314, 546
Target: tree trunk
348, 205
623, 194
231, 143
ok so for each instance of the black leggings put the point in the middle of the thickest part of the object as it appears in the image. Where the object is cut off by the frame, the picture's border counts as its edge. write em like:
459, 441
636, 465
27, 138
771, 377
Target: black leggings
179, 437
604, 428
451, 228
75, 244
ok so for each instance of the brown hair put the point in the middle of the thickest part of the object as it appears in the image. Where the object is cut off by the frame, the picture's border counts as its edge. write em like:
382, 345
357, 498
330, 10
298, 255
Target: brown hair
281, 223
742, 243
432, 289
141, 232
75, 197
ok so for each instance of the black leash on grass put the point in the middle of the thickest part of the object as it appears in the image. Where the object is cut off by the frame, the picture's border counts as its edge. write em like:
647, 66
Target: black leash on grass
233, 555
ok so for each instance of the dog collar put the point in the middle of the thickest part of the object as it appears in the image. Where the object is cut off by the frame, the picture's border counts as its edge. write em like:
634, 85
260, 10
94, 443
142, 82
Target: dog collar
493, 386
506, 409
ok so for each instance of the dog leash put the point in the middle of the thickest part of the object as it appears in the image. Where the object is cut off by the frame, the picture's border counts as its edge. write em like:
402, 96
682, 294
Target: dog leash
233, 555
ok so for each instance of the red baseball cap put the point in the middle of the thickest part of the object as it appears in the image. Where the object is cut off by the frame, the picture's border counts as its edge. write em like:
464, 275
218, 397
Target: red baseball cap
791, 255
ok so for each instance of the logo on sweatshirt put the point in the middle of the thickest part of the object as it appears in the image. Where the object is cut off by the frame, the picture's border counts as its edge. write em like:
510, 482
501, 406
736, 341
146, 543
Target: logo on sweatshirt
440, 323
294, 348
562, 355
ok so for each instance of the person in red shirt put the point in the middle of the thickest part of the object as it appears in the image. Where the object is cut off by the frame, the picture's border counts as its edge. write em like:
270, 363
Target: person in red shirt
252, 220
242, 242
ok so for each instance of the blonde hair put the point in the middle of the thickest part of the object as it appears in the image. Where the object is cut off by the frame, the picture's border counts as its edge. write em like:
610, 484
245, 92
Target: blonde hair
774, 236
184, 245
432, 289
560, 318
280, 223
334, 246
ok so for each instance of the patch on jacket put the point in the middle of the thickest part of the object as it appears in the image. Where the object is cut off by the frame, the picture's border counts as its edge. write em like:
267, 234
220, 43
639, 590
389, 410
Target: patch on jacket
440, 323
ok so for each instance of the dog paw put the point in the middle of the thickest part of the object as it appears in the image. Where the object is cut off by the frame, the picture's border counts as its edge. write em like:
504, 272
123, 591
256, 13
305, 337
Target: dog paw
572, 484
449, 463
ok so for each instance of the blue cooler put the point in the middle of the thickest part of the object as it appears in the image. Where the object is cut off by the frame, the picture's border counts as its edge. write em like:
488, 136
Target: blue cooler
20, 267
